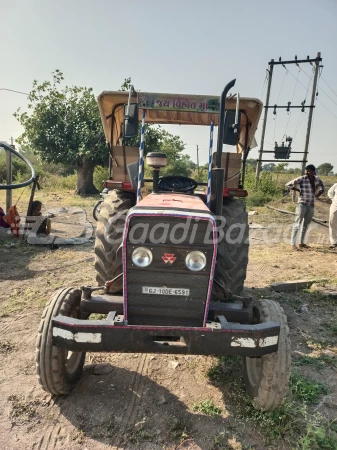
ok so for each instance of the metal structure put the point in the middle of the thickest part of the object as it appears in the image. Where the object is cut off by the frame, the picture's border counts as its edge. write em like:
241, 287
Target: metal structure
267, 106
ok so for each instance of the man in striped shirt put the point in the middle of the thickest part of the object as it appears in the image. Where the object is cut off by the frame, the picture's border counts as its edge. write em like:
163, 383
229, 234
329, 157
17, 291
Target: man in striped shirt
310, 188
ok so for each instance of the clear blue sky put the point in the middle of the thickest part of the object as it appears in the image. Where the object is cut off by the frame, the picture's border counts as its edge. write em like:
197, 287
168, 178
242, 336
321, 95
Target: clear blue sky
185, 46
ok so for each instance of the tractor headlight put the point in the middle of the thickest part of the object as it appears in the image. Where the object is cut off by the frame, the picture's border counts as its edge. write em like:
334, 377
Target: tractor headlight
142, 257
195, 261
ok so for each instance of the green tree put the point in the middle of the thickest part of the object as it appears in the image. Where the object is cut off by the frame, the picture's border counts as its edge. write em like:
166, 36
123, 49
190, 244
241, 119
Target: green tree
324, 169
268, 167
250, 162
64, 126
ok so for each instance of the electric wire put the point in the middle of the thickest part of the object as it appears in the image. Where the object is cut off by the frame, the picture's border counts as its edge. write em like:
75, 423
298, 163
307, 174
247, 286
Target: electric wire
278, 98
328, 85
322, 90
316, 99
264, 84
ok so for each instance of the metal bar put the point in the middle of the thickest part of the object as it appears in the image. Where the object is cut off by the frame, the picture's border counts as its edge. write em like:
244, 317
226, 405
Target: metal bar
208, 202
113, 335
272, 151
141, 158
222, 122
237, 113
273, 160
296, 61
9, 179
258, 166
290, 107
307, 138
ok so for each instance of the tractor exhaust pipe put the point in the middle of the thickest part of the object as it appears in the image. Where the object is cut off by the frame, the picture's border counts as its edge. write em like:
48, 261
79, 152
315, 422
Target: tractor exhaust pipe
221, 128
218, 174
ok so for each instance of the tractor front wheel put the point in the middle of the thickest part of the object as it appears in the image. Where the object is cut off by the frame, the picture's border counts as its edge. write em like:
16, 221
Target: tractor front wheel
58, 370
266, 377
109, 234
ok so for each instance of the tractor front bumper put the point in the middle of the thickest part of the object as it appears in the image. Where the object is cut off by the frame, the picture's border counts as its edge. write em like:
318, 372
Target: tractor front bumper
114, 335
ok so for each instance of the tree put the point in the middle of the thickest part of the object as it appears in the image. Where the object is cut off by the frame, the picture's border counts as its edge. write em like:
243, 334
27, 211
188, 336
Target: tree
64, 126
250, 162
268, 167
324, 169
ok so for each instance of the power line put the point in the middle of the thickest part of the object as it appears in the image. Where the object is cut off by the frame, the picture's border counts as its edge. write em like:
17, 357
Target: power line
322, 90
11, 90
328, 86
316, 98
264, 84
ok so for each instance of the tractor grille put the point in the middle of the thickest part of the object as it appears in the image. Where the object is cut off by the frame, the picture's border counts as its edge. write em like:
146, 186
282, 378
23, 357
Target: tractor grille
167, 310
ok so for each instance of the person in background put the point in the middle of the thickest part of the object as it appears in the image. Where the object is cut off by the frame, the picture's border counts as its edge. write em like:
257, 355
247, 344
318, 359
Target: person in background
3, 223
332, 194
310, 188
44, 224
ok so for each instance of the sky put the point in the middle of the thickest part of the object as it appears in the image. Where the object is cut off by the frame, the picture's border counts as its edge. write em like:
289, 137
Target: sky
183, 47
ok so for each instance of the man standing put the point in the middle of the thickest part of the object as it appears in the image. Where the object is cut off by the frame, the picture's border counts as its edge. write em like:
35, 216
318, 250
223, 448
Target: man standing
332, 194
308, 186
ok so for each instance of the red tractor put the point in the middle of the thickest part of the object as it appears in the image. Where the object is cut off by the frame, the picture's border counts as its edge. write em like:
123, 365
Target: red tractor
172, 264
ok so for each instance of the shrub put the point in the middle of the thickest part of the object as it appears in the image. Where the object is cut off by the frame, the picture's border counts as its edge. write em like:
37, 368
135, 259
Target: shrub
101, 174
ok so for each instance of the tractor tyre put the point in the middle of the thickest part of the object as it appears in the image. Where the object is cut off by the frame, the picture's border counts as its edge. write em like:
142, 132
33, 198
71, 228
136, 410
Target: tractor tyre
267, 377
97, 209
58, 369
232, 258
109, 234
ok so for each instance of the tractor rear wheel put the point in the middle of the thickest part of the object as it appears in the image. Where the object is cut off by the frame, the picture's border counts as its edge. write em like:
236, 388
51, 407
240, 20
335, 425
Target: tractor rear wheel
232, 259
267, 377
109, 234
58, 369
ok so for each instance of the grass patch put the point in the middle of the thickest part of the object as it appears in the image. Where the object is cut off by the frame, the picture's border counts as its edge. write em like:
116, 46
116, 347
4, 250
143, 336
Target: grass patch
305, 389
223, 441
6, 347
318, 362
319, 298
22, 411
98, 316
292, 423
224, 369
207, 407
178, 430
138, 436
319, 344
18, 301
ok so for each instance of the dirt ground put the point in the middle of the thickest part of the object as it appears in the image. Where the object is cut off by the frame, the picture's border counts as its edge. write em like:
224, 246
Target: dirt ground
150, 401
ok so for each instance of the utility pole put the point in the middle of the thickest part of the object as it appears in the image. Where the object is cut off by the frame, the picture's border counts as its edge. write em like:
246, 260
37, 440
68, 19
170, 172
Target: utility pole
259, 161
198, 158
311, 111
9, 177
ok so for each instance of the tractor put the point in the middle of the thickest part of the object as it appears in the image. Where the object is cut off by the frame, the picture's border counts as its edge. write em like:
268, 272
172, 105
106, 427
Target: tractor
170, 264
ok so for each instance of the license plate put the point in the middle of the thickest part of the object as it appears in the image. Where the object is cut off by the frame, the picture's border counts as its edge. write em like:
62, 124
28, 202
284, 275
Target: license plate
165, 291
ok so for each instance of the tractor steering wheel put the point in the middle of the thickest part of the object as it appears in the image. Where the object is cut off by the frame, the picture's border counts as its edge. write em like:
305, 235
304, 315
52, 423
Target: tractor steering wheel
176, 183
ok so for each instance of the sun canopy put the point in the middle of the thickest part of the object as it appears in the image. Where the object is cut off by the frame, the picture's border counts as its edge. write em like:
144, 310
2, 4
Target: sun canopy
176, 109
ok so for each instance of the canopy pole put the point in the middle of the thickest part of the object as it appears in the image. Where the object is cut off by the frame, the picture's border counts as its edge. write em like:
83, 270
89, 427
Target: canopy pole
141, 157
208, 203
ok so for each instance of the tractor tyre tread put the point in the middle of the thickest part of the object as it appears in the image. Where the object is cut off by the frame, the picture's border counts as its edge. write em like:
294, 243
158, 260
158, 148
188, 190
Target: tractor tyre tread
109, 234
232, 258
271, 388
50, 360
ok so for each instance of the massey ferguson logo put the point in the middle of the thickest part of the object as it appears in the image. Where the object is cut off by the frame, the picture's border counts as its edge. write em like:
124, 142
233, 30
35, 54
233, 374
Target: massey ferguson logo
168, 258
